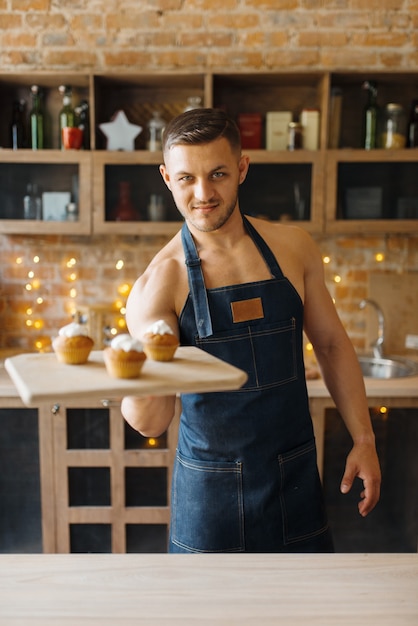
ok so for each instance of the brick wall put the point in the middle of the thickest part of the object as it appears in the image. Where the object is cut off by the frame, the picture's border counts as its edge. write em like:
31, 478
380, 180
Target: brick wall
247, 34
142, 35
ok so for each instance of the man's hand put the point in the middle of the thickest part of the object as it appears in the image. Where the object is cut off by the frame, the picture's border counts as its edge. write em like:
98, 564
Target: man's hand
362, 462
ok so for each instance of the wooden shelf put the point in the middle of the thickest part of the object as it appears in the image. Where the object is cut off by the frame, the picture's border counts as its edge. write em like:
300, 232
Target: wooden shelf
139, 94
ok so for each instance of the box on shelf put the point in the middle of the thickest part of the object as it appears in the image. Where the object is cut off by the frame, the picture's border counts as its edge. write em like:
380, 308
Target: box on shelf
309, 118
277, 123
363, 203
250, 126
54, 204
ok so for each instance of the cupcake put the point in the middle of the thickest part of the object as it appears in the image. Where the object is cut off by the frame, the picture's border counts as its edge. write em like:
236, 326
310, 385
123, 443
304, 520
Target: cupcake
160, 343
73, 345
124, 357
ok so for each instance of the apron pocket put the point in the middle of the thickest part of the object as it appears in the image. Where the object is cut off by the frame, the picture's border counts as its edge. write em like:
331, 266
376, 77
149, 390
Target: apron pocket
267, 352
301, 498
207, 511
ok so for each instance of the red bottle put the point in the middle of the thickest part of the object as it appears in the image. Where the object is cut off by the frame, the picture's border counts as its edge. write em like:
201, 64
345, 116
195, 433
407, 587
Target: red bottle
125, 211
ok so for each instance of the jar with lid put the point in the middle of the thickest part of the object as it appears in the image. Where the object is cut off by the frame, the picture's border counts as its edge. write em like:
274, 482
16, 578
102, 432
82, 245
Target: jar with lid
193, 102
155, 128
294, 136
393, 135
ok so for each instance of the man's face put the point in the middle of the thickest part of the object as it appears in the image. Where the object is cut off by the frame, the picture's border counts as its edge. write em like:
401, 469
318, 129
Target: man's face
204, 181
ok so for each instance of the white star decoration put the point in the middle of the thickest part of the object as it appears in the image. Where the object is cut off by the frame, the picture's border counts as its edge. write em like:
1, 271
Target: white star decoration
120, 132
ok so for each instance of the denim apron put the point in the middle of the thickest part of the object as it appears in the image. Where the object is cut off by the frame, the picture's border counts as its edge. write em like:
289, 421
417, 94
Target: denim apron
245, 477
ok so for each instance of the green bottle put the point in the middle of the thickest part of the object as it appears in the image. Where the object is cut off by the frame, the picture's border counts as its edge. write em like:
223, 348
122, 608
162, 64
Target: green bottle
36, 119
370, 116
67, 113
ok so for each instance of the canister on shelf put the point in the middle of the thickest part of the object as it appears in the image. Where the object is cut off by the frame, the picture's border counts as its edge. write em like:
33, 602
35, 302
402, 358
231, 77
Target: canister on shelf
276, 129
309, 118
294, 136
393, 135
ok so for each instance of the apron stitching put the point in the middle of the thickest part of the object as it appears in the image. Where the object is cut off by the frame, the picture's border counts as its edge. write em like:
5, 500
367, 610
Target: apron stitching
257, 380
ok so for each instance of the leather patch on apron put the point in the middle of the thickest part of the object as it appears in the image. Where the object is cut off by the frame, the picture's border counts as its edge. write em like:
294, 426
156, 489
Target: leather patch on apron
246, 310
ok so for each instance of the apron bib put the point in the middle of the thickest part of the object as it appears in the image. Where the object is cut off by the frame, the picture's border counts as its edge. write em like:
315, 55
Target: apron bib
245, 475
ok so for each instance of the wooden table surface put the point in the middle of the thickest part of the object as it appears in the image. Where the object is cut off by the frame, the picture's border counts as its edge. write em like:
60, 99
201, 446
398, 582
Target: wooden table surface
244, 589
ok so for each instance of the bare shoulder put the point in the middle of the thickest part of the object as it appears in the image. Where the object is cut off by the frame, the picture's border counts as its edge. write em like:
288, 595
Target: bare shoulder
159, 293
287, 241
295, 251
280, 232
168, 262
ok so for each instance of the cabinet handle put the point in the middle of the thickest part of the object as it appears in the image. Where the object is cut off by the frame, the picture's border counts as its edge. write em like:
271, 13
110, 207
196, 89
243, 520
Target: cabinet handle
55, 408
108, 403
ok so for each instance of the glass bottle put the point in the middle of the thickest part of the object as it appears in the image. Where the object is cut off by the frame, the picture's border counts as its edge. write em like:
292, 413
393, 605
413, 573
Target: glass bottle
156, 208
17, 127
393, 135
155, 132
36, 119
413, 126
370, 116
193, 102
32, 203
66, 114
125, 210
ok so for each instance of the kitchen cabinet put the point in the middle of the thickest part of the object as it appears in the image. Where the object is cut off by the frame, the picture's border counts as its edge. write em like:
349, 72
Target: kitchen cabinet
54, 171
338, 188
376, 190
371, 191
64, 176
111, 485
91, 477
75, 477
139, 170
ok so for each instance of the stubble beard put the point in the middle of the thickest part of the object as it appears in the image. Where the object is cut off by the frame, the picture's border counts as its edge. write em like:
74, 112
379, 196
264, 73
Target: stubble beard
206, 225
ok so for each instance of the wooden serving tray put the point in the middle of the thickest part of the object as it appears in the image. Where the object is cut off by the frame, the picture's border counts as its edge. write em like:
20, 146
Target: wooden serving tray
41, 378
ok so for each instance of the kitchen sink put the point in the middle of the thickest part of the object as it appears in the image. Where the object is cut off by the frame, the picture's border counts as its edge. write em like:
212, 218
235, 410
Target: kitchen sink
387, 367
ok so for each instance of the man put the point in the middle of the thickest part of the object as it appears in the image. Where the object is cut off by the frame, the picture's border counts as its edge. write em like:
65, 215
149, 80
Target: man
245, 476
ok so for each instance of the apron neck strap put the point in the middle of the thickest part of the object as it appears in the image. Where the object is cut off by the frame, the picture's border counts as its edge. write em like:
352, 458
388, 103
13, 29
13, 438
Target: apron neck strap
264, 250
196, 285
197, 282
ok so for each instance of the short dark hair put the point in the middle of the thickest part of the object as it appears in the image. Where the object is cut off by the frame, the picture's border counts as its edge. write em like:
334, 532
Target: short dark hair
199, 126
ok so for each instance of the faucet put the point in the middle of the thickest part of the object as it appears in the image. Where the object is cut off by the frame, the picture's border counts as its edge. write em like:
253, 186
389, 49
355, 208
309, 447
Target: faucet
376, 345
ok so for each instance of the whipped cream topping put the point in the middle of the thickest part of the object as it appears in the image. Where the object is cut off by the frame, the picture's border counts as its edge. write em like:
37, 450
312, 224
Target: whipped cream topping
160, 328
126, 343
73, 330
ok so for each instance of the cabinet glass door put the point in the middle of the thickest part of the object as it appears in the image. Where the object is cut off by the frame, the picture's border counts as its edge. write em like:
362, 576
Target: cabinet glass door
375, 191
45, 193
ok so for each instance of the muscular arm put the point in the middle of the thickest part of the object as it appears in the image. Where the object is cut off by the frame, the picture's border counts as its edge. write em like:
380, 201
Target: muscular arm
153, 297
343, 378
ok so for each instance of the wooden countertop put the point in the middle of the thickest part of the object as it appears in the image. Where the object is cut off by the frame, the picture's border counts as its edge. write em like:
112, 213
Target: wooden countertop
375, 387
245, 589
